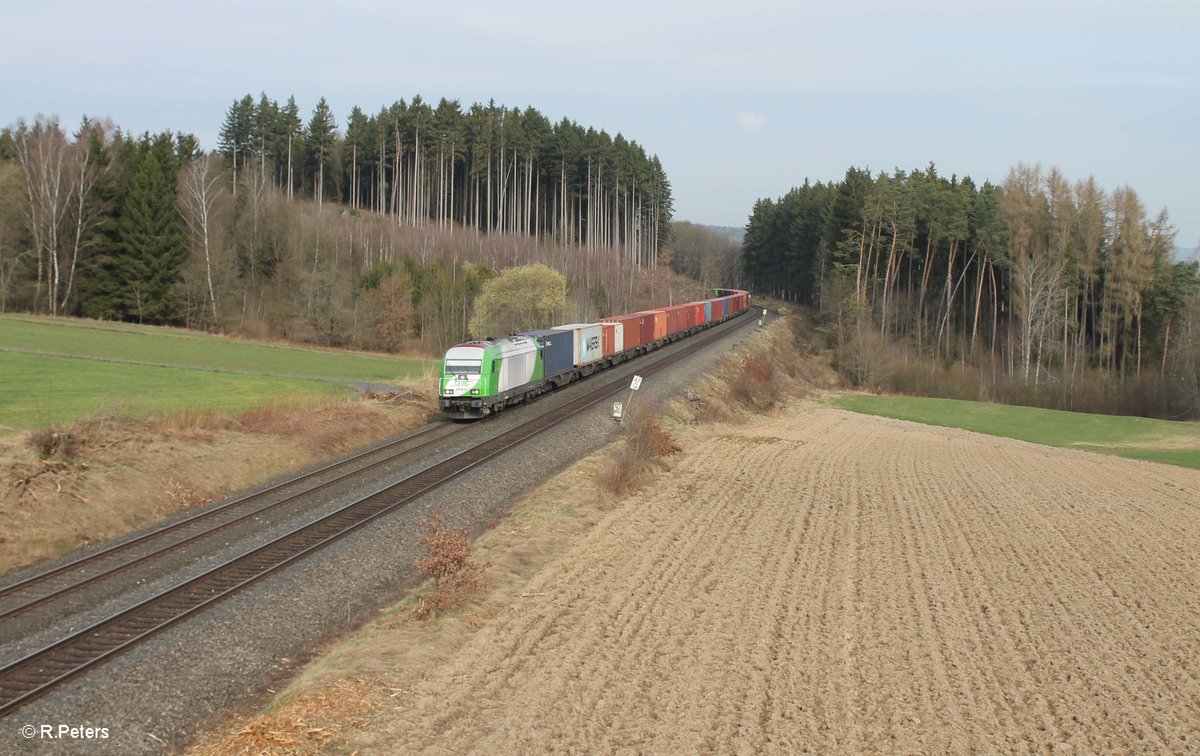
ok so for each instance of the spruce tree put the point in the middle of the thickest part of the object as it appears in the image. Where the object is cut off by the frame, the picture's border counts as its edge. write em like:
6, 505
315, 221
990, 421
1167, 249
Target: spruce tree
138, 269
322, 131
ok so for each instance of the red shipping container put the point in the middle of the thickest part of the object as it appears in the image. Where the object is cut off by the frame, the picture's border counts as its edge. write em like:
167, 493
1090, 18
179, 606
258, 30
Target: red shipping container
676, 319
633, 327
696, 314
608, 338
655, 324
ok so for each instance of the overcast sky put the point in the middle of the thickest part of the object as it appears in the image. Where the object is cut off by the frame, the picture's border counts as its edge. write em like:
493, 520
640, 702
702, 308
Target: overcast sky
740, 99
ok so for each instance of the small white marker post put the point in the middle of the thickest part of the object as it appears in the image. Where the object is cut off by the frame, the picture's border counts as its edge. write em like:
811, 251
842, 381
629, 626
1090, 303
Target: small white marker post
637, 382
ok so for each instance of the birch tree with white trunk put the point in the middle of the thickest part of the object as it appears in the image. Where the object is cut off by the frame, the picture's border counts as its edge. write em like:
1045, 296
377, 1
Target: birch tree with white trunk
199, 191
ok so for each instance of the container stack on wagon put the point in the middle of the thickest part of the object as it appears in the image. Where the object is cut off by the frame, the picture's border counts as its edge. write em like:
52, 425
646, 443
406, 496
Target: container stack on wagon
477, 379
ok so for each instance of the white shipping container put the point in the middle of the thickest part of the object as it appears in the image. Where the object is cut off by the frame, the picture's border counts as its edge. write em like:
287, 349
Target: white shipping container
587, 341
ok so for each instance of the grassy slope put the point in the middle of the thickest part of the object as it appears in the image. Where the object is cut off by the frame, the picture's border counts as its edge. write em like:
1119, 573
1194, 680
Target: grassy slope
40, 391
180, 348
1138, 437
183, 371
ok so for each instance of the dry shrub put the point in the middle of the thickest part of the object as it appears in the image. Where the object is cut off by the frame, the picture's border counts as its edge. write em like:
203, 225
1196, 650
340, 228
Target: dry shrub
50, 443
645, 442
755, 385
448, 560
189, 425
865, 357
921, 379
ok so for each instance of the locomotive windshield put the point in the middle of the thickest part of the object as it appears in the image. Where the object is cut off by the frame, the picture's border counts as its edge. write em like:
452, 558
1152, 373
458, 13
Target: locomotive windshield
463, 367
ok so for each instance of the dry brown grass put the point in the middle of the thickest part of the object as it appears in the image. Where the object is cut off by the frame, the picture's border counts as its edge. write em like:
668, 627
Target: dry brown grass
99, 478
49, 443
393, 653
777, 366
307, 724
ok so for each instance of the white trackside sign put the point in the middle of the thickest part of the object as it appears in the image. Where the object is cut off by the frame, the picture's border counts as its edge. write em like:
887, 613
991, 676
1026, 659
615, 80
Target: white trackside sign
637, 381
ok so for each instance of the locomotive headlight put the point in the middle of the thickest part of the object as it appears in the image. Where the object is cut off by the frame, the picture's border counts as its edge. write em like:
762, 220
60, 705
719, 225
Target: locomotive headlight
475, 391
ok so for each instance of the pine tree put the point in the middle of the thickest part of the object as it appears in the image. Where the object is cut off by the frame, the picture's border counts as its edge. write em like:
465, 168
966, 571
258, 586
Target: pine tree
236, 135
291, 132
322, 131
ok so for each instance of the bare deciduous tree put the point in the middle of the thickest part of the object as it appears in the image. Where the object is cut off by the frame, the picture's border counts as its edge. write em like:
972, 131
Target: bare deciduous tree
199, 190
60, 179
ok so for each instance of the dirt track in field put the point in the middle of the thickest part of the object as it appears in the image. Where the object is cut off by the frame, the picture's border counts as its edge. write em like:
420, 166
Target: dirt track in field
872, 585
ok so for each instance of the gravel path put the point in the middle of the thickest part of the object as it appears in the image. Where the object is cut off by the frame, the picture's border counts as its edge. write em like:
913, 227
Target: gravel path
160, 694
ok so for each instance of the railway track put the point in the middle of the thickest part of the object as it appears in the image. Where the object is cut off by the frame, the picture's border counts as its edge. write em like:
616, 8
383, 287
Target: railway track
55, 583
40, 671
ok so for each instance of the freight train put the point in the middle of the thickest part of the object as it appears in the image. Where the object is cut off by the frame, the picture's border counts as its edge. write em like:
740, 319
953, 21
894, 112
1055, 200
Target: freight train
483, 377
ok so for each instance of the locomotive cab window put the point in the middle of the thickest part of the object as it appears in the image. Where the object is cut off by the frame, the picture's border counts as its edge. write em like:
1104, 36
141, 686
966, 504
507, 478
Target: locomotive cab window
464, 367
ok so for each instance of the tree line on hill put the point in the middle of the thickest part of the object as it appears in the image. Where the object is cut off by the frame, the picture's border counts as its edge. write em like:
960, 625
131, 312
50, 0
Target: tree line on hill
488, 167
389, 252
1036, 290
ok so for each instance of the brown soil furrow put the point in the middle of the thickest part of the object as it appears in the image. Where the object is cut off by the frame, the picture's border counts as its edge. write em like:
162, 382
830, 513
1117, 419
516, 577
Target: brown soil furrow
1086, 603
941, 712
1044, 627
987, 655
870, 585
804, 678
951, 625
690, 577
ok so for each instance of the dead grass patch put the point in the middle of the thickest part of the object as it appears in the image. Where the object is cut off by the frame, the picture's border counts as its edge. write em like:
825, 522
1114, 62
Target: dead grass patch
50, 443
396, 651
778, 365
102, 477
307, 724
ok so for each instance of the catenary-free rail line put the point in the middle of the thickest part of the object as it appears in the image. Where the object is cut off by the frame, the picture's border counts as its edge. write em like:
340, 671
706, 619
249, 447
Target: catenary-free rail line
208, 523
42, 670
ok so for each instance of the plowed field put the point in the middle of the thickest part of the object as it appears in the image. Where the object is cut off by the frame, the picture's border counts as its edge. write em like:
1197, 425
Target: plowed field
834, 582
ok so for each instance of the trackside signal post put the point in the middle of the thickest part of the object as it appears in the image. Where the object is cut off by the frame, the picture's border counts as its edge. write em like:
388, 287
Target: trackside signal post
618, 408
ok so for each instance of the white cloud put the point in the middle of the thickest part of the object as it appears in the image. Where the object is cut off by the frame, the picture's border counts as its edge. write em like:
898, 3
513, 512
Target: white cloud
750, 121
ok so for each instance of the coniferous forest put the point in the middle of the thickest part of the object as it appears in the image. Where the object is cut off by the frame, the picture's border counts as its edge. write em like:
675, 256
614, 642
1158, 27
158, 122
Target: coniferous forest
1038, 290
375, 234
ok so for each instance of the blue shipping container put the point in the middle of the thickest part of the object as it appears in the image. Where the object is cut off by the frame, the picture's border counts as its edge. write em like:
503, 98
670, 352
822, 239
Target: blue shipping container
558, 350
708, 311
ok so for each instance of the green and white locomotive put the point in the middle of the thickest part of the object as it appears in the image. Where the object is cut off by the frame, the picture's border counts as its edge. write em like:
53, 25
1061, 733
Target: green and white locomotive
481, 377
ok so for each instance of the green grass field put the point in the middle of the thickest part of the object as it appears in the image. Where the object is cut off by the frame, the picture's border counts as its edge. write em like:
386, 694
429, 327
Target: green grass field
1175, 443
53, 371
